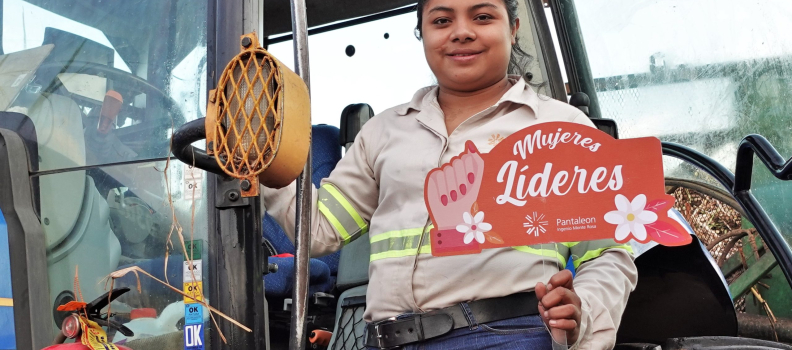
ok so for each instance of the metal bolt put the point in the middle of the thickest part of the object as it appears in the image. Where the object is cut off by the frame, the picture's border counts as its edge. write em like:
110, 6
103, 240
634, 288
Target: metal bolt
233, 196
46, 221
272, 268
246, 42
245, 185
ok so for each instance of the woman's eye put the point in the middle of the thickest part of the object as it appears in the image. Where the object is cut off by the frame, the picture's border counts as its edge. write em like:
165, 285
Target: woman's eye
441, 21
483, 17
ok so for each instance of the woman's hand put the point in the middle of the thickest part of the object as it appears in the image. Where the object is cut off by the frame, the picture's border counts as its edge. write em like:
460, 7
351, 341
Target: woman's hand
559, 306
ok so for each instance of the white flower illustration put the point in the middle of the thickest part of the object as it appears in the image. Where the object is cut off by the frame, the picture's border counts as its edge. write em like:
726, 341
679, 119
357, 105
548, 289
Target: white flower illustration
474, 227
630, 217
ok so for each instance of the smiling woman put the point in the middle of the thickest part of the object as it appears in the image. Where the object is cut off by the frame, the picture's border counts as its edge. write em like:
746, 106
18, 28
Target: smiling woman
471, 47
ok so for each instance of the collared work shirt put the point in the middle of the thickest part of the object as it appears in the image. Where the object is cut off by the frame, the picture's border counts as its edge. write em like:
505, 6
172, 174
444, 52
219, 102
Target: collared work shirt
379, 185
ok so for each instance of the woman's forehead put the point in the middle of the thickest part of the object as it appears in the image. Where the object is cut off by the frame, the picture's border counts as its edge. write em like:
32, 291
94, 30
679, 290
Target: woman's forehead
461, 5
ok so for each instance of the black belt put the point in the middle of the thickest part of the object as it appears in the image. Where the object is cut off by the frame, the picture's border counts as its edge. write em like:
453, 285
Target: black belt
394, 332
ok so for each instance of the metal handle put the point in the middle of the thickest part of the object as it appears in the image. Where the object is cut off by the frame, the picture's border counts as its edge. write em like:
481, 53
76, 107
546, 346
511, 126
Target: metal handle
181, 144
740, 189
302, 239
757, 144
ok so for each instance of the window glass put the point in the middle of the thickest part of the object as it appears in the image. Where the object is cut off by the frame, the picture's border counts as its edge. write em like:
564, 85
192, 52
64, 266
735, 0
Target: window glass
700, 73
103, 82
128, 215
99, 87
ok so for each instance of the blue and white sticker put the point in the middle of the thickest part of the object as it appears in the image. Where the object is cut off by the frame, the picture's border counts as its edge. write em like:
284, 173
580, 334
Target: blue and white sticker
194, 337
193, 313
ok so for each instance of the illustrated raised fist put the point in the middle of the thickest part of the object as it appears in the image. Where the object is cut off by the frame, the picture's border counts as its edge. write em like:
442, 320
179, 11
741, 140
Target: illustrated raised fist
451, 192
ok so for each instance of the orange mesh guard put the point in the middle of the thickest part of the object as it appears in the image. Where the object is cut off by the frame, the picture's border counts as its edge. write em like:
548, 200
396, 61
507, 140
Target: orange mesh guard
247, 129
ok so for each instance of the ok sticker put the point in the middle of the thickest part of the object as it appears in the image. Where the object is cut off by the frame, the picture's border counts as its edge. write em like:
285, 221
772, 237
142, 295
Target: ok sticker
194, 291
193, 337
193, 313
192, 271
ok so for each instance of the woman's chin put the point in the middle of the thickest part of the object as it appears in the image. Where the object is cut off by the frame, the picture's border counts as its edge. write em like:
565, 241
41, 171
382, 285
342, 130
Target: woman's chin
469, 81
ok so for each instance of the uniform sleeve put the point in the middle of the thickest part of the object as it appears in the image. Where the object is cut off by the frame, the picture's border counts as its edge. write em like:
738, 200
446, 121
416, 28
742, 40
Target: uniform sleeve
342, 206
603, 285
605, 277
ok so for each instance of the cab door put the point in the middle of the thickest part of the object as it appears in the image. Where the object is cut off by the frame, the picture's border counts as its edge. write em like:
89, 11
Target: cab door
91, 92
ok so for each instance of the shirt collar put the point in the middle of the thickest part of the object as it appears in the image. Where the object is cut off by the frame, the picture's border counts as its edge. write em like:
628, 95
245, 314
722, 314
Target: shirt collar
520, 93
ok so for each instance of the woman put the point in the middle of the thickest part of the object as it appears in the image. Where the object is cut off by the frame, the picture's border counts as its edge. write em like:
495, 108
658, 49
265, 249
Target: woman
495, 299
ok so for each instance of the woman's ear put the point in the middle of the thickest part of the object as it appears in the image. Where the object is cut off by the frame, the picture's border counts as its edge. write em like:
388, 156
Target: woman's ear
515, 28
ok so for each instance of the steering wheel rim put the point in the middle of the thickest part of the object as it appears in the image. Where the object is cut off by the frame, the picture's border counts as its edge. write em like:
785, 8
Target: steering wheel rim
50, 71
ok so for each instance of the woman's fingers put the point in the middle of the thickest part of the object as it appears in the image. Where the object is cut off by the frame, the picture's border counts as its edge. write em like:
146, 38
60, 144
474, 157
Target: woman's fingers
561, 279
558, 296
563, 311
540, 290
565, 324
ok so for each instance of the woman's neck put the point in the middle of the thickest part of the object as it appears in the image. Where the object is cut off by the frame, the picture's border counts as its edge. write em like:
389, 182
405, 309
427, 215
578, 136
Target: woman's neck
458, 106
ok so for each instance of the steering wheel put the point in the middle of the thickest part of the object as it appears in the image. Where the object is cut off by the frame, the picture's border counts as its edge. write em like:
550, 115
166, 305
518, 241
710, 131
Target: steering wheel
160, 114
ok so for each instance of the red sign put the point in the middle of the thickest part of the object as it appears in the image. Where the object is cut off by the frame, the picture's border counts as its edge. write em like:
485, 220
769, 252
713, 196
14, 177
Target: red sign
551, 182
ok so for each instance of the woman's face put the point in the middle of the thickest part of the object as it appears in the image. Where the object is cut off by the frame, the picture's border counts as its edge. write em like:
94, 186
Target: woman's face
467, 43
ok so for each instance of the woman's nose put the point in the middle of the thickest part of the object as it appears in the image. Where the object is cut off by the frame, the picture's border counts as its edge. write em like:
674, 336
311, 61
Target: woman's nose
463, 32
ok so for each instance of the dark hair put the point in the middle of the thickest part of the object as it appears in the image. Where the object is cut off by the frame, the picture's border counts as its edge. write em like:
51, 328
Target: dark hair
519, 58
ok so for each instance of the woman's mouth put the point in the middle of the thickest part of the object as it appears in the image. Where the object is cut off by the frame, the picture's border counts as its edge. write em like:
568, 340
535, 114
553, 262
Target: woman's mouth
463, 55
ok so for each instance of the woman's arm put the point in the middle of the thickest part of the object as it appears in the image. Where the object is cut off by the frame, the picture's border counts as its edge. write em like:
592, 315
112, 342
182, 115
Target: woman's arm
342, 206
603, 285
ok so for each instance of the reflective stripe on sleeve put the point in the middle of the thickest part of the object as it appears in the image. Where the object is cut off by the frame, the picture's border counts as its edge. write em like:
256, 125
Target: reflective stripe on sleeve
341, 214
553, 250
585, 251
400, 243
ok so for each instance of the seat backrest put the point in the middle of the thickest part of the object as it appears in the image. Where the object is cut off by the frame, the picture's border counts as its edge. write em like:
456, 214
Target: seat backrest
681, 293
325, 155
352, 119
354, 263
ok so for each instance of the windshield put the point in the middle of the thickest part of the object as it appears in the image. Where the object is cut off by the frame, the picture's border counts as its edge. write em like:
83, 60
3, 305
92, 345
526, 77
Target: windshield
700, 73
114, 87
98, 88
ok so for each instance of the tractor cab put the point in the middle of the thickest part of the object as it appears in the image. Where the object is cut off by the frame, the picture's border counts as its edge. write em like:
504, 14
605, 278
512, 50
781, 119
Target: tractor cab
107, 184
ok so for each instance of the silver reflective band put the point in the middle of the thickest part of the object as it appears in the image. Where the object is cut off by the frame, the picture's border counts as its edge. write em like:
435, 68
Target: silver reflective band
341, 214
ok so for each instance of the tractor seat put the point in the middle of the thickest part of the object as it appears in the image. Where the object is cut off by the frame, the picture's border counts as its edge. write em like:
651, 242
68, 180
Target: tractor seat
325, 154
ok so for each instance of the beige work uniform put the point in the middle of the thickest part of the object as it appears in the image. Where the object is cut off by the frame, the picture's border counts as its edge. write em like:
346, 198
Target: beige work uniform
378, 186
